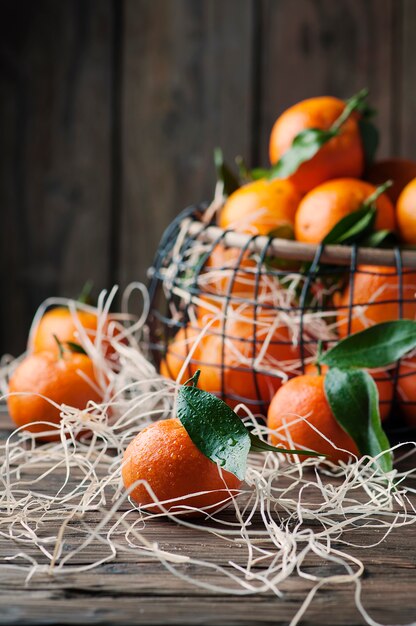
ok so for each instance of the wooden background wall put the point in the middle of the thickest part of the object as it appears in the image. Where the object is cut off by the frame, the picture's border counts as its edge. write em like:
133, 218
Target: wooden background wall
110, 110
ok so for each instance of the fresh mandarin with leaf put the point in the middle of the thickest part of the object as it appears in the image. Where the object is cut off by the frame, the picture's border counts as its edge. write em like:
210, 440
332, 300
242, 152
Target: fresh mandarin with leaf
323, 207
194, 463
406, 213
298, 406
62, 376
261, 207
243, 366
383, 380
341, 155
163, 457
374, 295
64, 324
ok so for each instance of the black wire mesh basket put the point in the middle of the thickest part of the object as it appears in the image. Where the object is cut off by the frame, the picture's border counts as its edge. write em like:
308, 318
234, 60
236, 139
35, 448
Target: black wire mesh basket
252, 311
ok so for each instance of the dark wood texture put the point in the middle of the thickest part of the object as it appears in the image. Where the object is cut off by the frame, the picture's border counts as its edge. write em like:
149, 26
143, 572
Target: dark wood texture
136, 589
187, 75
110, 109
326, 48
56, 120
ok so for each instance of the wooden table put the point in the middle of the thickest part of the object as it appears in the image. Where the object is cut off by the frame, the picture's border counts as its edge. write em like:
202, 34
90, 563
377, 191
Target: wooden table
138, 590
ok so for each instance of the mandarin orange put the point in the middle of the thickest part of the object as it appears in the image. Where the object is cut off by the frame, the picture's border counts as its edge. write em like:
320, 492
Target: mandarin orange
406, 213
164, 457
260, 207
325, 205
374, 297
69, 379
382, 379
304, 397
341, 156
62, 323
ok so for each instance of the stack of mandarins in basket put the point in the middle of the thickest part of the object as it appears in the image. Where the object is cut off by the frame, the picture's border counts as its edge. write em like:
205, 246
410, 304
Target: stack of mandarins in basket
322, 181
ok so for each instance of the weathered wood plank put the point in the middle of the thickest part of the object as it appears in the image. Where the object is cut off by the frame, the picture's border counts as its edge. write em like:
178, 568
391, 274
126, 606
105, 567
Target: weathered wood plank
55, 179
136, 589
406, 72
187, 79
326, 47
332, 607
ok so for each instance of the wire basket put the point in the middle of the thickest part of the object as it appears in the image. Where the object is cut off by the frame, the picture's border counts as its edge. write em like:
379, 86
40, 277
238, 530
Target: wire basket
252, 311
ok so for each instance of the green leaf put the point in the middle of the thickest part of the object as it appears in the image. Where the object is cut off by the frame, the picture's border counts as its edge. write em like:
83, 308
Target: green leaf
304, 146
276, 263
380, 238
259, 172
218, 432
85, 296
215, 429
258, 445
353, 398
285, 231
310, 140
75, 347
370, 140
225, 174
243, 171
351, 227
377, 346
357, 102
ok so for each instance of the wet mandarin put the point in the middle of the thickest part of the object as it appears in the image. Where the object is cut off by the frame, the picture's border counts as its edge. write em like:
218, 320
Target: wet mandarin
164, 457
304, 397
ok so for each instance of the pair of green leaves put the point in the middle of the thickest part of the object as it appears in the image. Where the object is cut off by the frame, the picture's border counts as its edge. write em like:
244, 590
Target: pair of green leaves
351, 391
217, 431
358, 227
71, 345
308, 142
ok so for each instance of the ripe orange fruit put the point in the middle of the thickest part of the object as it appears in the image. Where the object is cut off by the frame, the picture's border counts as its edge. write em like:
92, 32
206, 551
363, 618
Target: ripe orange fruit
325, 205
406, 390
375, 298
304, 397
60, 322
178, 351
239, 368
228, 369
260, 207
164, 456
61, 379
228, 271
406, 213
383, 381
342, 156
400, 171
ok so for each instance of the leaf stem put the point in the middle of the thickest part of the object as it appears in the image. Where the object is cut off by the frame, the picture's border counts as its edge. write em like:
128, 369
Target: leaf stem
193, 382
351, 105
85, 295
60, 347
377, 193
